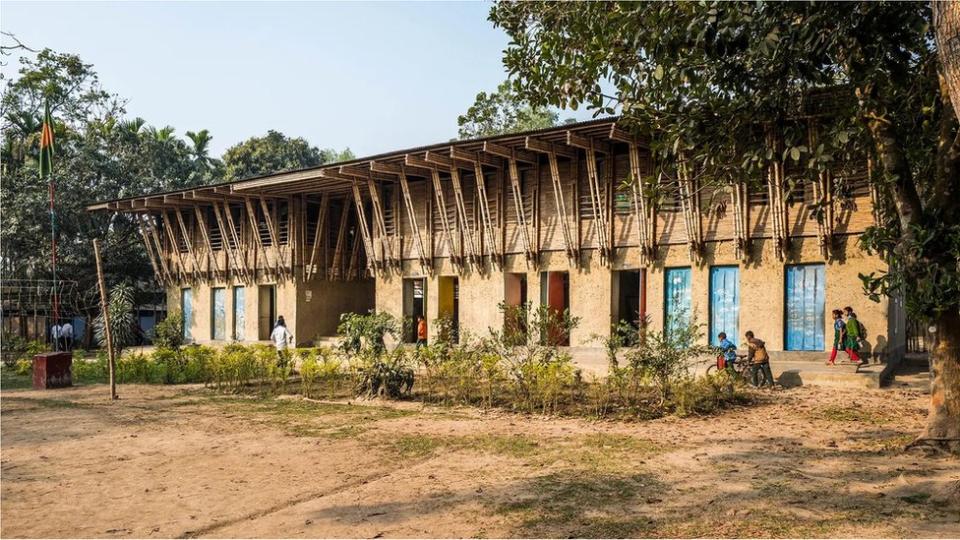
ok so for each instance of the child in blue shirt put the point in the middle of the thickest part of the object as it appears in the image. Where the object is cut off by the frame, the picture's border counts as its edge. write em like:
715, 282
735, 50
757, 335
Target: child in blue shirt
728, 349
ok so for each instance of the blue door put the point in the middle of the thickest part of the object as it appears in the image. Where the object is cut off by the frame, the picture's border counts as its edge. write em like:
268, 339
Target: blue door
239, 313
218, 314
676, 298
186, 307
724, 303
805, 307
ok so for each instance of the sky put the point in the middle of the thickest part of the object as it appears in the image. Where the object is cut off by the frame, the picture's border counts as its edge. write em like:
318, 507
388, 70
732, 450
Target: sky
371, 76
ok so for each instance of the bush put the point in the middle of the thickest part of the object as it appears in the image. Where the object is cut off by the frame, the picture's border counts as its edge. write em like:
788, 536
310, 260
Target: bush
663, 357
24, 366
367, 331
90, 371
16, 348
168, 333
383, 375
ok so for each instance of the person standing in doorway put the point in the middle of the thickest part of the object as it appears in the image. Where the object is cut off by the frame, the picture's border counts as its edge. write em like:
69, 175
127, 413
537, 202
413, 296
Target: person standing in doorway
839, 335
281, 337
853, 334
66, 333
421, 331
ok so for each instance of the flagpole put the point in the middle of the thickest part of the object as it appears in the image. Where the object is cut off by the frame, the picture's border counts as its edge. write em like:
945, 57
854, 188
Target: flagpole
46, 170
53, 251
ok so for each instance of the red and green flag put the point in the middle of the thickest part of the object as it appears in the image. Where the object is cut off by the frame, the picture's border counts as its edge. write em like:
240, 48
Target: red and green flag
46, 143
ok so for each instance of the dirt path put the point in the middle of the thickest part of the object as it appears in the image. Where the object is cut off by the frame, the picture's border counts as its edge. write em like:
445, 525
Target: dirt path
172, 462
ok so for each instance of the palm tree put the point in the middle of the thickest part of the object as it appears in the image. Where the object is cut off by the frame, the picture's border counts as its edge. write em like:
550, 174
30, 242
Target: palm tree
201, 147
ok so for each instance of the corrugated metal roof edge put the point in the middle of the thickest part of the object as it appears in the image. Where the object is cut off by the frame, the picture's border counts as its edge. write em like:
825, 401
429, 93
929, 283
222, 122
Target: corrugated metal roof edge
564, 127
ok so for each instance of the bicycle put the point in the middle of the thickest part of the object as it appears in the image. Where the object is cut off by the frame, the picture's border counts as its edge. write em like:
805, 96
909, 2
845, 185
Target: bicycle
741, 366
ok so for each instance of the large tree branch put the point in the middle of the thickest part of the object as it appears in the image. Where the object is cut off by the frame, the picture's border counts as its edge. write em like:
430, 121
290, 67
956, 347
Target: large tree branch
893, 160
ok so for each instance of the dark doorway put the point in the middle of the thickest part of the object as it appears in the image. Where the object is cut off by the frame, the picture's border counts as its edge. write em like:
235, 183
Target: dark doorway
448, 305
266, 310
555, 294
414, 306
515, 314
630, 298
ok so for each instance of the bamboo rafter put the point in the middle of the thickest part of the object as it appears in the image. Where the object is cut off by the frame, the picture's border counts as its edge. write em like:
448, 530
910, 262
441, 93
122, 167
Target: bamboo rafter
149, 221
823, 194
231, 242
471, 249
484, 202
353, 270
740, 224
598, 204
175, 245
255, 230
197, 267
268, 218
561, 207
362, 225
518, 207
643, 209
690, 206
336, 265
442, 208
379, 220
148, 245
412, 217
777, 202
202, 223
310, 269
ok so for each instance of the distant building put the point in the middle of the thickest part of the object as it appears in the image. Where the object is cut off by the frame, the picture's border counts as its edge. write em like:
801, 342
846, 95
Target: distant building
552, 217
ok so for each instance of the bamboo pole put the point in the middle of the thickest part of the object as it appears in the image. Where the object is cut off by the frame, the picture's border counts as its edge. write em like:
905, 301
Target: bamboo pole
106, 320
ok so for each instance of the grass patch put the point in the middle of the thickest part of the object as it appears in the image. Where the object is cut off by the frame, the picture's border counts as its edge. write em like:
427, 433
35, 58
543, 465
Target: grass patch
595, 452
301, 418
915, 498
11, 380
415, 445
346, 432
577, 504
850, 414
46, 403
422, 445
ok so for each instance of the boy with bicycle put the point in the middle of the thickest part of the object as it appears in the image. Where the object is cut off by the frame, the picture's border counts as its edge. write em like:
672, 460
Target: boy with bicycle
760, 374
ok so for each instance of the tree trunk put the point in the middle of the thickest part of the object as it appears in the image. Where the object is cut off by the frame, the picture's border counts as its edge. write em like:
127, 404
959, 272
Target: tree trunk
943, 422
946, 22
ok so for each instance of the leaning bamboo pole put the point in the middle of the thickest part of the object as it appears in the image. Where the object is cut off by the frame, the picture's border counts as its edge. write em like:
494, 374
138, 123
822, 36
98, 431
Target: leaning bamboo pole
104, 307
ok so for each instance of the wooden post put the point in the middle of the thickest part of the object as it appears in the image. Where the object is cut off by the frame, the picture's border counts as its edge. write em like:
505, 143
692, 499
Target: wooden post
104, 306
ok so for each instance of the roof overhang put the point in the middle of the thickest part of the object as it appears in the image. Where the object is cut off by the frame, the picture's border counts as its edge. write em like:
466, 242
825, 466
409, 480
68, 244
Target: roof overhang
338, 178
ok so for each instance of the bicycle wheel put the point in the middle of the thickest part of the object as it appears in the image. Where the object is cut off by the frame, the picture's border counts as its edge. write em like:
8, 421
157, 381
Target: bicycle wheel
711, 369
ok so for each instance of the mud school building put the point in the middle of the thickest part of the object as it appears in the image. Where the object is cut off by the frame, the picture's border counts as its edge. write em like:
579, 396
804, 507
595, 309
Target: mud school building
552, 217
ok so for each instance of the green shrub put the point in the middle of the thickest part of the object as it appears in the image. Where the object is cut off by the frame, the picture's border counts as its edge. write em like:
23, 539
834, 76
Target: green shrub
664, 357
138, 368
367, 331
383, 375
168, 333
705, 394
24, 366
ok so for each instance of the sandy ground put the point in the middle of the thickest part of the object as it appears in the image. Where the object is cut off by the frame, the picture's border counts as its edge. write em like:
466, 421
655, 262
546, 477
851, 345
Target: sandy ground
174, 462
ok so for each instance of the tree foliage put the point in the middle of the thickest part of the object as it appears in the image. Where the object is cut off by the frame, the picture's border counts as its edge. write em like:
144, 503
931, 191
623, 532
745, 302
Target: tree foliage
98, 155
711, 78
709, 81
123, 319
275, 152
503, 111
